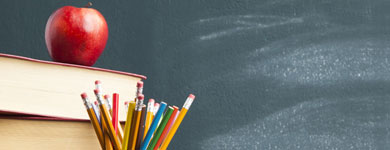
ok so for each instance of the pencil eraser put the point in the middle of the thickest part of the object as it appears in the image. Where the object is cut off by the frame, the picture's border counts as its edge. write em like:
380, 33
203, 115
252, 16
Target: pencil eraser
151, 100
191, 96
106, 96
97, 82
84, 95
156, 104
140, 97
96, 91
126, 102
140, 84
96, 102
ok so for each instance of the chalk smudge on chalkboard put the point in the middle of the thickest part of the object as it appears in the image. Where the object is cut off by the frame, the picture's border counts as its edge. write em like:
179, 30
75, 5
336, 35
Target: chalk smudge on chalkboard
244, 22
353, 123
338, 55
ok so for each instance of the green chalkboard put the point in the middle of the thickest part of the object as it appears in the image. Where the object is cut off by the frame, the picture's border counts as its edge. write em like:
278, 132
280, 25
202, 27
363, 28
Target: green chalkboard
268, 74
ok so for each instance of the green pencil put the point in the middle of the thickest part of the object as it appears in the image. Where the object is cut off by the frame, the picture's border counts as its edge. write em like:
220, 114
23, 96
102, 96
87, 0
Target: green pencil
160, 128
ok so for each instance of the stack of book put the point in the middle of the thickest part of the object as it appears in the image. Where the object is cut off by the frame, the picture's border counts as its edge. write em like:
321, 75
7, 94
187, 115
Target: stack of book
41, 108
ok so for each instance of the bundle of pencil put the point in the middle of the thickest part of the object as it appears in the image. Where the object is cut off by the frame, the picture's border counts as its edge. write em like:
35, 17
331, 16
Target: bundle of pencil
147, 127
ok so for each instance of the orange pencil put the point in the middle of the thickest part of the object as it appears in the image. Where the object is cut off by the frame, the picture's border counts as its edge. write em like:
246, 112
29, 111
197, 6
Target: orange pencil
176, 124
167, 127
94, 121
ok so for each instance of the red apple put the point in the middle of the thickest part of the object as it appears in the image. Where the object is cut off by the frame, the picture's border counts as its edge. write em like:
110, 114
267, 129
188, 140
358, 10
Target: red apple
76, 35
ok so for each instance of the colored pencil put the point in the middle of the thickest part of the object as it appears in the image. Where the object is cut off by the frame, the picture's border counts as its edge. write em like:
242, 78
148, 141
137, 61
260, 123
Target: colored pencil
93, 119
118, 130
153, 126
160, 128
129, 118
107, 120
141, 128
135, 122
115, 101
149, 115
115, 111
170, 126
167, 127
186, 106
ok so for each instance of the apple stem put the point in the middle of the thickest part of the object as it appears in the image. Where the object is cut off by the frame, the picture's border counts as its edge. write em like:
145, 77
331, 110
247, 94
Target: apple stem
88, 5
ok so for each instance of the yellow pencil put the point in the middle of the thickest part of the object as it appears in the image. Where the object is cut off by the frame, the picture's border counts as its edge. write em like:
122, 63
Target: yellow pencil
94, 121
107, 141
98, 86
179, 119
135, 122
149, 116
128, 125
107, 120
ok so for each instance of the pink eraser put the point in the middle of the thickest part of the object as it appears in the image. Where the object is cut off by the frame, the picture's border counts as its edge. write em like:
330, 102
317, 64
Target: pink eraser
191, 96
106, 96
140, 97
84, 95
97, 82
156, 104
140, 84
96, 102
126, 102
96, 91
151, 100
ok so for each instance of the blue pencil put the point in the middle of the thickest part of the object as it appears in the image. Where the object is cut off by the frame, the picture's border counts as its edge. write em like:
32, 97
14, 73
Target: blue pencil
153, 126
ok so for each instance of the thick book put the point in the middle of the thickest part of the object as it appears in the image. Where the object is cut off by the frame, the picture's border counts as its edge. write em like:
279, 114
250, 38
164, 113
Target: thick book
51, 90
28, 134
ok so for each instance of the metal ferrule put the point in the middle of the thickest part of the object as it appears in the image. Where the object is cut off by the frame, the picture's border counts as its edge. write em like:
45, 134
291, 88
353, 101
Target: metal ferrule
138, 105
150, 106
99, 99
87, 104
139, 91
108, 104
188, 103
97, 86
